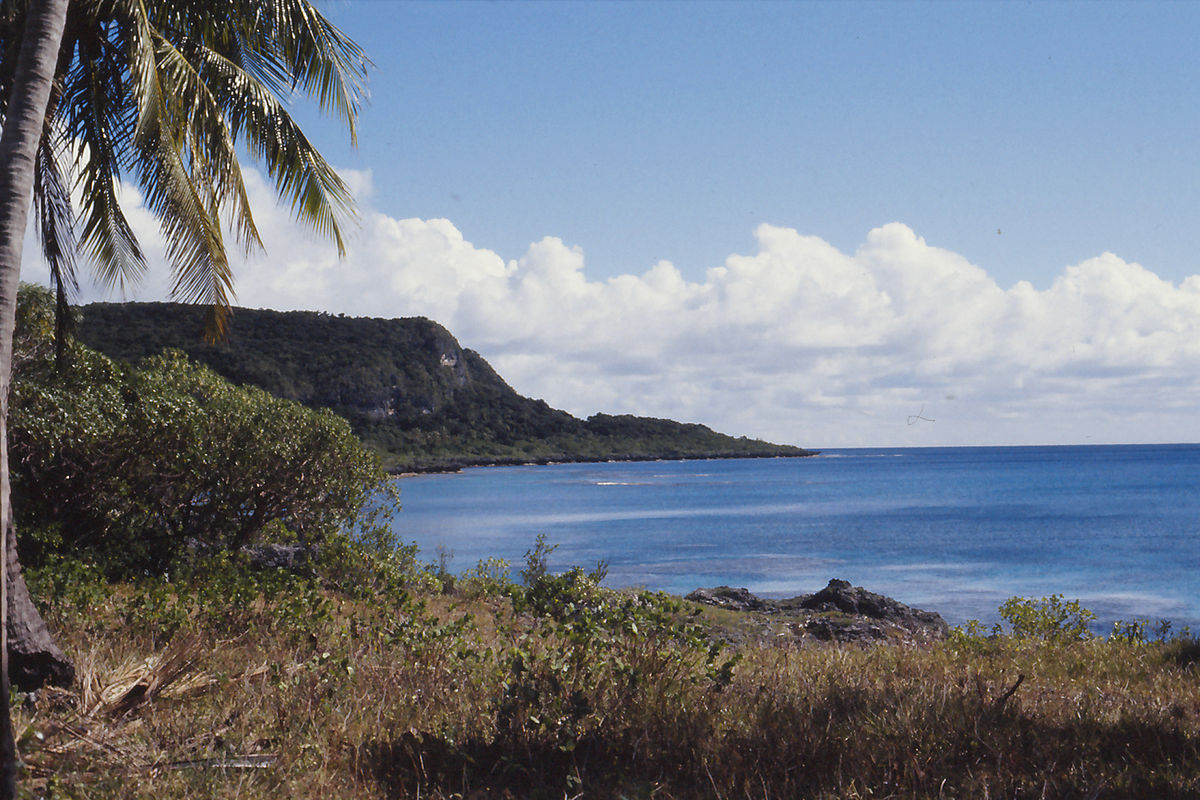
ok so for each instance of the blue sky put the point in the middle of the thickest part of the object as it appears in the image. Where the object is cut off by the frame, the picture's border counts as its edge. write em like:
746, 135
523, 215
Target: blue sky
1023, 136
832, 224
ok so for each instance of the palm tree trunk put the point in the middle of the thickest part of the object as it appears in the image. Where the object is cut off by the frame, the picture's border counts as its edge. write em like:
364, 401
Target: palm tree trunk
26, 112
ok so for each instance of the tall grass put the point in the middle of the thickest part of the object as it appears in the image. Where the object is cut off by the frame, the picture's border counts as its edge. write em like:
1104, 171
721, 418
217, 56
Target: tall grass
277, 687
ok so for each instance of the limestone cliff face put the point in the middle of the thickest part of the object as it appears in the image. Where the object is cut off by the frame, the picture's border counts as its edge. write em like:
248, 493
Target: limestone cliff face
376, 367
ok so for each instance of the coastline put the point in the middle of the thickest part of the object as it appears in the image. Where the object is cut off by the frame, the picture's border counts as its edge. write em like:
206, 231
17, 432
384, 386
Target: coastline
452, 466
1111, 526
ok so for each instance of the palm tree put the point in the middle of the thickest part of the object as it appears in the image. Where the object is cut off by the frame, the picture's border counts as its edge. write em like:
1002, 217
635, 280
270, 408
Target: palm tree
163, 94
24, 116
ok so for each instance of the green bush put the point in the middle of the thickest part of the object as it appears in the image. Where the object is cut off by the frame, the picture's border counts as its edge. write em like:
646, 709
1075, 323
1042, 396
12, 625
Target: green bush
1050, 618
136, 465
587, 641
1142, 631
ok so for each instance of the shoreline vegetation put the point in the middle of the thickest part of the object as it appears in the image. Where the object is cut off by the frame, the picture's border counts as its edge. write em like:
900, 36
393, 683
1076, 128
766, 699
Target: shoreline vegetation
218, 565
453, 465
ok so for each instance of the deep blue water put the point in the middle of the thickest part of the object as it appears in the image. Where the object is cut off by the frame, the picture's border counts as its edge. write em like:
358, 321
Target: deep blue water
954, 530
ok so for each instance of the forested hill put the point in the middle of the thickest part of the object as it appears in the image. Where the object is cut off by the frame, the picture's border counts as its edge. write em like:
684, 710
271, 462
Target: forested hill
408, 388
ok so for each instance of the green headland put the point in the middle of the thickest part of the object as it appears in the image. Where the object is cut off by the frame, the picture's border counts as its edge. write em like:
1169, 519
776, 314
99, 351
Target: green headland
413, 394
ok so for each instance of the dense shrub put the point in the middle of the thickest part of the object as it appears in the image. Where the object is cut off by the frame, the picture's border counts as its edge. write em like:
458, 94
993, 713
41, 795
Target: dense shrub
1048, 618
135, 464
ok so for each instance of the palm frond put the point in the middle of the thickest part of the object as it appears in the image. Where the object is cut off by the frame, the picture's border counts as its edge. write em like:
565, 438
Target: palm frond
55, 217
54, 210
210, 142
322, 61
189, 224
166, 91
98, 121
56, 221
302, 176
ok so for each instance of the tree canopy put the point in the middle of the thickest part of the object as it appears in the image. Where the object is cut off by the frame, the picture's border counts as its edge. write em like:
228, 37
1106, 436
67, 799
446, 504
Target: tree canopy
134, 463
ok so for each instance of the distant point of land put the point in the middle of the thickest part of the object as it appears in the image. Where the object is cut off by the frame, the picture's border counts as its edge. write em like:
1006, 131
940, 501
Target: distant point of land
411, 392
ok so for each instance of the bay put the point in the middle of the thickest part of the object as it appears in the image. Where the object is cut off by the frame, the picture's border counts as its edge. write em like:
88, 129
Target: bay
954, 530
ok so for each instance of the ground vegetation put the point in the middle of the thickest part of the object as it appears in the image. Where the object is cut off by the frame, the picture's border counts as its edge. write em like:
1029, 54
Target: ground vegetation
387, 680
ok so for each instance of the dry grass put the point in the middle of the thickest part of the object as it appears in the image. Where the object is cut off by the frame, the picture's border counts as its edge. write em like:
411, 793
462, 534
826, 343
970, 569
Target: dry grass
461, 697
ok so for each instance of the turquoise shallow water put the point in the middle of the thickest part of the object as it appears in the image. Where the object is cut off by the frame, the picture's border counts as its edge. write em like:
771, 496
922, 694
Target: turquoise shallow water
955, 530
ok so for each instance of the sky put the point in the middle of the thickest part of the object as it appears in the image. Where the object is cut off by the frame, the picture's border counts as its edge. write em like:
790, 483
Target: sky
827, 224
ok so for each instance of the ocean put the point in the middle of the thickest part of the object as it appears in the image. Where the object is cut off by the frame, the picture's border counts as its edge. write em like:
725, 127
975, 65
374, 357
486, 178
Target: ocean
953, 530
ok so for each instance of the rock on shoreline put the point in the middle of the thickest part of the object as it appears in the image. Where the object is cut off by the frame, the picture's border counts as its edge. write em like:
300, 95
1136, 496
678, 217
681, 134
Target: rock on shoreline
838, 613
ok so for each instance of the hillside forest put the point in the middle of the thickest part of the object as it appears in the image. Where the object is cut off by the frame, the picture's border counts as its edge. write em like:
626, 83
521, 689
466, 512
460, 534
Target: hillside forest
409, 390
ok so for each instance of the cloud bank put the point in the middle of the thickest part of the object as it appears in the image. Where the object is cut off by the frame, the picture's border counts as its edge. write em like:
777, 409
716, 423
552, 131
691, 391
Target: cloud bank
897, 343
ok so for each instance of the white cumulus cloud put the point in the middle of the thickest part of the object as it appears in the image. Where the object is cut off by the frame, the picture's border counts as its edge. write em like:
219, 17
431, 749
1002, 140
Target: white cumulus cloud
897, 343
